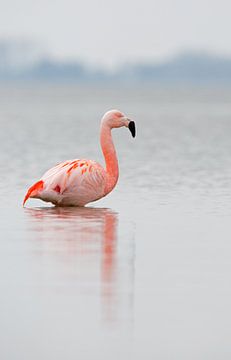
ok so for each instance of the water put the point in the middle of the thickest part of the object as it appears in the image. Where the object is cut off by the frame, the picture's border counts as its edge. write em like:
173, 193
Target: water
141, 274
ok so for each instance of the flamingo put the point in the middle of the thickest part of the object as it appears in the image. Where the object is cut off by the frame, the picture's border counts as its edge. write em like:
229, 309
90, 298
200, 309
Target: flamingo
80, 181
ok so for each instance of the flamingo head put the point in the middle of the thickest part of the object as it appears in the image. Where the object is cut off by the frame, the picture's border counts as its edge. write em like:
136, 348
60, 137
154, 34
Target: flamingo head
116, 119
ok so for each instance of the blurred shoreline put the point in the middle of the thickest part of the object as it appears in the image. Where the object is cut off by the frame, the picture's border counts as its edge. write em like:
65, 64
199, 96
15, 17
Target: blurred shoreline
20, 65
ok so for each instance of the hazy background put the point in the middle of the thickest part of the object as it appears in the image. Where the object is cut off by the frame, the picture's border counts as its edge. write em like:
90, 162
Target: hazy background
80, 41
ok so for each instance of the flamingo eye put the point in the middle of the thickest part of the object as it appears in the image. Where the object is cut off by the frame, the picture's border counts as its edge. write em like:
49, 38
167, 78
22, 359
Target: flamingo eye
118, 115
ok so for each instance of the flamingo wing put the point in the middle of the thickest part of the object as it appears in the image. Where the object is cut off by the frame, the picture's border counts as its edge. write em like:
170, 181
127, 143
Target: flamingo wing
72, 182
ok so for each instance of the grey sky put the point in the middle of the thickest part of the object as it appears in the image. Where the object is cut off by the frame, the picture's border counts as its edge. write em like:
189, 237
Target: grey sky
110, 32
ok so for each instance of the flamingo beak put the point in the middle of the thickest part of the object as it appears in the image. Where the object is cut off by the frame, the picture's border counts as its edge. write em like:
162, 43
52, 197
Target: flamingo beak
132, 128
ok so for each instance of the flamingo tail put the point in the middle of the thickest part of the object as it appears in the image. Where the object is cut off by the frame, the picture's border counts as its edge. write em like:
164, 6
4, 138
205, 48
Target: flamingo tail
33, 190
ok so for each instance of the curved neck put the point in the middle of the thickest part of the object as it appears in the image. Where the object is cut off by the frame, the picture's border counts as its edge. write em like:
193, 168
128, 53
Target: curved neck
110, 157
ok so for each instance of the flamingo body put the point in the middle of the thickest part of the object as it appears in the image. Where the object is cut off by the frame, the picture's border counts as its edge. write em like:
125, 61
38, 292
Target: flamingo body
78, 182
72, 183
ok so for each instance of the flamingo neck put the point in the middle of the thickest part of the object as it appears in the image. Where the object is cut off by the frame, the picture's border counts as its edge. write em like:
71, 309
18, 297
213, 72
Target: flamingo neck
110, 157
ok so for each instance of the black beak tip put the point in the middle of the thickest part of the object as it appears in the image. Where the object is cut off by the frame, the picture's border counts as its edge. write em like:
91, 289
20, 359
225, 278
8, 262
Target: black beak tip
132, 128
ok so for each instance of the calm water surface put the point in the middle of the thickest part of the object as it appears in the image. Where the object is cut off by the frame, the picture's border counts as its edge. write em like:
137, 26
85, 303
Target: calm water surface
145, 272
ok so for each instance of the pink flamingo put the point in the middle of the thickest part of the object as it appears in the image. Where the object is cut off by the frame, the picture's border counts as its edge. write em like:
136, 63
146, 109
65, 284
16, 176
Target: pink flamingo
78, 182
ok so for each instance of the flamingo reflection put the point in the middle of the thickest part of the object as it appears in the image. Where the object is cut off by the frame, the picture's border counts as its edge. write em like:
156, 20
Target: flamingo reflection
83, 242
